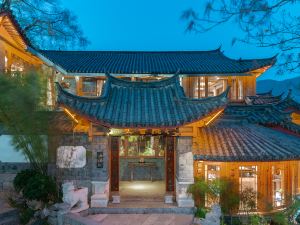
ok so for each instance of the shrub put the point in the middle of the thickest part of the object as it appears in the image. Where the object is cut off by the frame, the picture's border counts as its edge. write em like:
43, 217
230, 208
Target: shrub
41, 188
22, 178
200, 213
36, 186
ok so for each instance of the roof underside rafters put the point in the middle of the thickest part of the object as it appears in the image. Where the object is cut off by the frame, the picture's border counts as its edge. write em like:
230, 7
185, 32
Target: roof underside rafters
14, 29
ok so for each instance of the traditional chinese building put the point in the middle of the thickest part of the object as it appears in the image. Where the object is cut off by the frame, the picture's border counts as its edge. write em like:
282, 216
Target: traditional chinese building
165, 118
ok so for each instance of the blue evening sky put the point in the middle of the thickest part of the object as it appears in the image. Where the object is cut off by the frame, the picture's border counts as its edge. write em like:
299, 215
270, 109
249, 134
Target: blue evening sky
156, 26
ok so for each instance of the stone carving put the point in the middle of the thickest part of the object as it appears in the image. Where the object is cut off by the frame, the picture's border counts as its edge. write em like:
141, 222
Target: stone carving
75, 197
71, 157
100, 195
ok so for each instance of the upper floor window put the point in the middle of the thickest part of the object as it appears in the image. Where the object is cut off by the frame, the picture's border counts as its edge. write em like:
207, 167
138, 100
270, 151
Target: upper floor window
92, 86
216, 85
199, 91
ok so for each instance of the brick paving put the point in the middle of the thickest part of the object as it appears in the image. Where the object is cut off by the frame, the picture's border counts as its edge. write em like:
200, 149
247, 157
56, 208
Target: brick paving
142, 219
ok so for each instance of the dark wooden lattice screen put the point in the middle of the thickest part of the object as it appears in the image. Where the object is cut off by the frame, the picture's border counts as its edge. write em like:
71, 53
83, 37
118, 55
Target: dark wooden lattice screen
114, 166
170, 164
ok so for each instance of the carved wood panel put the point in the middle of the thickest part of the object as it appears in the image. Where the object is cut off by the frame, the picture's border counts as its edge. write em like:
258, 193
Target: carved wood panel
114, 165
170, 164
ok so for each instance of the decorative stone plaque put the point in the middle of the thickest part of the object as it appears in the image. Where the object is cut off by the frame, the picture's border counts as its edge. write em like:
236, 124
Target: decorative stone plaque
71, 157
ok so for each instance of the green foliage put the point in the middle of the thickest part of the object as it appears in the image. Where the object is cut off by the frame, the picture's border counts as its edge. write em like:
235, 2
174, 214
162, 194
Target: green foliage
257, 220
41, 188
200, 212
22, 113
36, 186
229, 196
22, 178
201, 188
279, 219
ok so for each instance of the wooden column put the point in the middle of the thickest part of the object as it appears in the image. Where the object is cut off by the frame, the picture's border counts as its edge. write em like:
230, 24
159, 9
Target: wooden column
264, 186
78, 85
114, 165
231, 88
206, 86
2, 58
170, 164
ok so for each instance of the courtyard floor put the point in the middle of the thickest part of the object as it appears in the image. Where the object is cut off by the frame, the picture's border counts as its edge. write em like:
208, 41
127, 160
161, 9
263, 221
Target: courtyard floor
142, 219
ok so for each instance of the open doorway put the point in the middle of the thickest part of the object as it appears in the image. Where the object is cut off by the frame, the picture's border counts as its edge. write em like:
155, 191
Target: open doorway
142, 166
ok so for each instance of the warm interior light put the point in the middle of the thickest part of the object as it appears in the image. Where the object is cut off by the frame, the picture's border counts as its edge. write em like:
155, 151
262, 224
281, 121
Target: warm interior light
214, 117
71, 115
138, 186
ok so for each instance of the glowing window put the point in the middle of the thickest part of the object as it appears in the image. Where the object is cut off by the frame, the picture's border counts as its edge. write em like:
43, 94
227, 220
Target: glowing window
278, 186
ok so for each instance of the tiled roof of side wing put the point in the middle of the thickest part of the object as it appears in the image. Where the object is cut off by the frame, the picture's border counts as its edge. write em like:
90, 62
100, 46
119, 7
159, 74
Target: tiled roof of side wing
288, 103
126, 104
248, 142
146, 62
10, 15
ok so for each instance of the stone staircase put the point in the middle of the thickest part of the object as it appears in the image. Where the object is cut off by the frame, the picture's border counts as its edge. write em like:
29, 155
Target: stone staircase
9, 217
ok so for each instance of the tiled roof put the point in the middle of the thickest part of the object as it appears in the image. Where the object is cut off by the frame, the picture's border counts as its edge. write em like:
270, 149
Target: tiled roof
288, 103
245, 142
263, 98
146, 62
17, 27
258, 114
126, 104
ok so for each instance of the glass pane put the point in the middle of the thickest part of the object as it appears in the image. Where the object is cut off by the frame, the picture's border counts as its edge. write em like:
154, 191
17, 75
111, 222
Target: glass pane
135, 146
199, 91
278, 186
89, 86
216, 85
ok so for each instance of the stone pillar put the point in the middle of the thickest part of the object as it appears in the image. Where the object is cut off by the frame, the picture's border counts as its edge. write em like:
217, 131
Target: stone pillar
100, 172
184, 171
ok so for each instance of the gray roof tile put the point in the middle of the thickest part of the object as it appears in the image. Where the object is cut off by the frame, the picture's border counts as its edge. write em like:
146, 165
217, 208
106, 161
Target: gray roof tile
145, 62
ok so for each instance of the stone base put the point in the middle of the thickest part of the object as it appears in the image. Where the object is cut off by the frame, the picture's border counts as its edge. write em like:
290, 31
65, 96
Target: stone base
79, 209
116, 199
182, 197
100, 195
185, 202
99, 200
169, 198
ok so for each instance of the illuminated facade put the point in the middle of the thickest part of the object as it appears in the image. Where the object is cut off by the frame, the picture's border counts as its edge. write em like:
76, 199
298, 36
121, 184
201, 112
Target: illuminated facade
167, 117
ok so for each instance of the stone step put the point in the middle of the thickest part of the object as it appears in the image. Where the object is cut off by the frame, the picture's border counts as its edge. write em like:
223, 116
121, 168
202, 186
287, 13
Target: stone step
139, 199
9, 221
9, 213
139, 210
9, 217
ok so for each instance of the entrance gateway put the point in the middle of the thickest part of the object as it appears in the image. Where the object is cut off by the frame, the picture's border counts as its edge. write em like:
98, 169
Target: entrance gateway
134, 127
143, 166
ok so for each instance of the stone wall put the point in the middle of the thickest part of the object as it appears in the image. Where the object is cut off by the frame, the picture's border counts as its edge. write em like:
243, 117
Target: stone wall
80, 176
184, 171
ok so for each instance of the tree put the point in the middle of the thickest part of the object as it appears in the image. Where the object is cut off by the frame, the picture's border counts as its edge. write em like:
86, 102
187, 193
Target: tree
265, 23
23, 115
47, 24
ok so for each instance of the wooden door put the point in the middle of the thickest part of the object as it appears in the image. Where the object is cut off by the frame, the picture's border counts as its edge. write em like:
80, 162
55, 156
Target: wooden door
170, 164
114, 164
